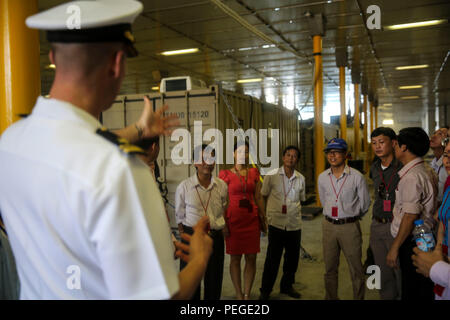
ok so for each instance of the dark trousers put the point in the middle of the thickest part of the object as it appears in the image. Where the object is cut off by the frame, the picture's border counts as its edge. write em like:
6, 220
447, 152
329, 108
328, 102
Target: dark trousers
414, 285
279, 240
212, 281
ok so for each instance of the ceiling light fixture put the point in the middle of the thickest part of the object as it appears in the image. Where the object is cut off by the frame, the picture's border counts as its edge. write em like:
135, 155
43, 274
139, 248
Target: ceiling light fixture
416, 24
182, 51
249, 80
155, 88
409, 97
387, 105
419, 66
410, 87
388, 121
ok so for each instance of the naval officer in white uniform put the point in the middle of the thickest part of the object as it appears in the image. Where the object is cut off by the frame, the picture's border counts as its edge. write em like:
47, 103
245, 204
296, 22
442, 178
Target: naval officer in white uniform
74, 198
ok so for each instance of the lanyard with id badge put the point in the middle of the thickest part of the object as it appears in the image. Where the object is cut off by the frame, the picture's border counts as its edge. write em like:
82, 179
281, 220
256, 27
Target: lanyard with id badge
207, 204
284, 206
334, 210
383, 191
244, 202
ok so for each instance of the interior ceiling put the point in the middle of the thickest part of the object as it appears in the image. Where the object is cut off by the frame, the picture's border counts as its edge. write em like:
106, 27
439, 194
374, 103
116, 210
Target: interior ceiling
229, 52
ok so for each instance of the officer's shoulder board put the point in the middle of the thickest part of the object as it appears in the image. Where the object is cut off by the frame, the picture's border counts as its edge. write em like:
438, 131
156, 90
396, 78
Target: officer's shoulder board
122, 143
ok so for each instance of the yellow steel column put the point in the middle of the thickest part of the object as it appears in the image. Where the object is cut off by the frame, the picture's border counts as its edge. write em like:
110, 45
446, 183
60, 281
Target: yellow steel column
356, 121
318, 111
372, 124
20, 82
365, 143
372, 118
342, 96
376, 116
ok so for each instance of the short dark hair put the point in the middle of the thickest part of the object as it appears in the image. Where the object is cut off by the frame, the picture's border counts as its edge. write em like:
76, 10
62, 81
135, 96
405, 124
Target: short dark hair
291, 147
415, 139
147, 142
385, 131
200, 149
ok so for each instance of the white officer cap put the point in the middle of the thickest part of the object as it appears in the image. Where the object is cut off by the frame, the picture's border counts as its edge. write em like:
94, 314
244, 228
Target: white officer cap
89, 21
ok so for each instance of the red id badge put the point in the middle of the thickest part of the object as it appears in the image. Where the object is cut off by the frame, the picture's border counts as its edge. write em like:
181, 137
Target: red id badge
334, 211
284, 209
387, 205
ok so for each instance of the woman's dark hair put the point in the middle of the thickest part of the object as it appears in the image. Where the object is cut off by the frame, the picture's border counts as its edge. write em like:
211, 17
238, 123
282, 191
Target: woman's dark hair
385, 131
292, 148
199, 149
147, 143
415, 139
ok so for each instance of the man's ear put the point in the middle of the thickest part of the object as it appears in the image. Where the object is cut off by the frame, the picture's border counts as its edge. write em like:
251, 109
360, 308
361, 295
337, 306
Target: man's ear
51, 56
118, 64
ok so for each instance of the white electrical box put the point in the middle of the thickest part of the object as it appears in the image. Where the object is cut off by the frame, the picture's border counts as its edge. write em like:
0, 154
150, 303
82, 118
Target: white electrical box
184, 83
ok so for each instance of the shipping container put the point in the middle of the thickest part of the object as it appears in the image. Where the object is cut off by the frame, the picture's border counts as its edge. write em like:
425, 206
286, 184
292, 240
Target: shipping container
209, 107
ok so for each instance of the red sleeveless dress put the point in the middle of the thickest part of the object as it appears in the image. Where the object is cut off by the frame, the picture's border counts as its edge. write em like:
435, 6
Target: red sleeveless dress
242, 223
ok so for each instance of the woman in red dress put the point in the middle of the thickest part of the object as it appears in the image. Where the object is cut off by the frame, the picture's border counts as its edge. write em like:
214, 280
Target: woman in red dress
244, 213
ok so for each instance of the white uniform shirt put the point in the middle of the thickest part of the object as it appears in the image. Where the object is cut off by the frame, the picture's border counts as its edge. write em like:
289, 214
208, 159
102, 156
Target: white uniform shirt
294, 187
77, 208
442, 174
189, 209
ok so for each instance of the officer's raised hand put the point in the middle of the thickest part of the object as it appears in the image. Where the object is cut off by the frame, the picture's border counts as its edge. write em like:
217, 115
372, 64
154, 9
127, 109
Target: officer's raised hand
152, 124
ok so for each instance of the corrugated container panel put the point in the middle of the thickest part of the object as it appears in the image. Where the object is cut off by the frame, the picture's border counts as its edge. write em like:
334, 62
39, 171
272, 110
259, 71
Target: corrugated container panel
208, 106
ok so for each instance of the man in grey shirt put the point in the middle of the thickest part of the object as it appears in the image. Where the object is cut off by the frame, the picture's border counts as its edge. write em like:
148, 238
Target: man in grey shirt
345, 199
384, 173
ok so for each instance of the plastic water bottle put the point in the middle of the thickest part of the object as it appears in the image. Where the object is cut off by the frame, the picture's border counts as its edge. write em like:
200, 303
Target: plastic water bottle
424, 236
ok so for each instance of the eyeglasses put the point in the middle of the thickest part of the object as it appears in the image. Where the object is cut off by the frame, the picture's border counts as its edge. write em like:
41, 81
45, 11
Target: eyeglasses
445, 141
333, 153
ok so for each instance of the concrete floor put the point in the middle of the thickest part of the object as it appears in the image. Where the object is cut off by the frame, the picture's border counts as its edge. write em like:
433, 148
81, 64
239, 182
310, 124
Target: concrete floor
309, 277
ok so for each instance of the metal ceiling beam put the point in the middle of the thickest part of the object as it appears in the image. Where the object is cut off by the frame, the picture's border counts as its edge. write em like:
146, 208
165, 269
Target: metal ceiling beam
207, 46
291, 48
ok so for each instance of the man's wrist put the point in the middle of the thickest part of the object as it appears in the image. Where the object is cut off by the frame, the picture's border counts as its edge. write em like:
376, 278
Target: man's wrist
140, 131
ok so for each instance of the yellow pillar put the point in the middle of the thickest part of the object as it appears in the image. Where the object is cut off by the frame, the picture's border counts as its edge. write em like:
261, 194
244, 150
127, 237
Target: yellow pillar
372, 116
20, 81
365, 144
318, 112
372, 125
376, 117
356, 121
342, 96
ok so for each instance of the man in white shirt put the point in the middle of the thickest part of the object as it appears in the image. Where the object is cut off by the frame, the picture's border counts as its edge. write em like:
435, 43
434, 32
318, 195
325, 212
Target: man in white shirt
438, 149
345, 199
75, 198
204, 195
283, 191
